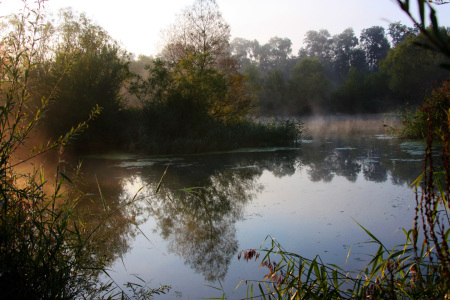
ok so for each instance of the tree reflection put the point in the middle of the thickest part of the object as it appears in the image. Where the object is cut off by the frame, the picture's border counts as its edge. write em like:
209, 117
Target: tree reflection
199, 223
370, 157
203, 197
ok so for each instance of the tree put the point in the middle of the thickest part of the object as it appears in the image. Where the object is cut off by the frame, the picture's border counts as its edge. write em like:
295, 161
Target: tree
413, 69
318, 44
344, 52
199, 67
199, 29
435, 39
245, 51
273, 94
309, 86
275, 54
88, 69
226, 97
361, 92
398, 32
375, 44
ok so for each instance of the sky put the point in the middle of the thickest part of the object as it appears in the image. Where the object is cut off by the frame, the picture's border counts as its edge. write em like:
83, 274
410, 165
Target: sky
137, 24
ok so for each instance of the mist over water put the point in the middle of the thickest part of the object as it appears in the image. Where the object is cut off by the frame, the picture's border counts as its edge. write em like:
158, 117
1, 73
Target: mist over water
345, 126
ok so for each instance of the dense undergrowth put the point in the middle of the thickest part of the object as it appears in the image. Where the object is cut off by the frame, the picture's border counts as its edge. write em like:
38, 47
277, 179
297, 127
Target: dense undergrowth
433, 112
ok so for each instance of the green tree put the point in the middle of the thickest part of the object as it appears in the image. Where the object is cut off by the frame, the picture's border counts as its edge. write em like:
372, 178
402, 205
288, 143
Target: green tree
309, 86
88, 69
199, 67
318, 44
275, 55
344, 52
273, 93
362, 92
413, 69
398, 32
375, 44
245, 51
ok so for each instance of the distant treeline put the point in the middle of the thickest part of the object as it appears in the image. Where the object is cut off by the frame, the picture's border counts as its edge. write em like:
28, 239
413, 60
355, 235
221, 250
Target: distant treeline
378, 72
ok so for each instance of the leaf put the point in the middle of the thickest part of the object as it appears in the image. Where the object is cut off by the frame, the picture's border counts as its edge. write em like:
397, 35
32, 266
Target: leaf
101, 195
65, 177
422, 11
162, 177
371, 235
417, 181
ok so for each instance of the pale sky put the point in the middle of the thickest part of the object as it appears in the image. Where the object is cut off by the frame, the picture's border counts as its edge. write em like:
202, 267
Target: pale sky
137, 24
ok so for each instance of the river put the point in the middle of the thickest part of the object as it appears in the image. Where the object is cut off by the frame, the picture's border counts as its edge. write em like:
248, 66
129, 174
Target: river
187, 231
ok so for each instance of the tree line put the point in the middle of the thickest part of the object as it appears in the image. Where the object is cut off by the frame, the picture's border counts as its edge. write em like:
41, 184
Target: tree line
380, 71
202, 92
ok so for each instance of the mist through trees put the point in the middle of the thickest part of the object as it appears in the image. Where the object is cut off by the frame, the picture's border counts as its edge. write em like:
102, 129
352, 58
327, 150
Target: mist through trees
341, 73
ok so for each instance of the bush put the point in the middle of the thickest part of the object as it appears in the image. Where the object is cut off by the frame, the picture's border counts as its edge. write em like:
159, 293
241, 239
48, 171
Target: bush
432, 116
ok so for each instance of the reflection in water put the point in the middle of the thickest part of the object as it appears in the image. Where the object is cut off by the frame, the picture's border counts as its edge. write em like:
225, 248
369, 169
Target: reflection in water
202, 198
199, 222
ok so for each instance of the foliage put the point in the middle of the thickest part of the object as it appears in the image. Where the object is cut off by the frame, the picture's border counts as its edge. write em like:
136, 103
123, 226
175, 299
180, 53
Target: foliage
413, 69
432, 113
194, 99
399, 32
362, 92
436, 39
178, 126
89, 70
383, 73
375, 44
309, 85
184, 104
39, 258
404, 272
199, 30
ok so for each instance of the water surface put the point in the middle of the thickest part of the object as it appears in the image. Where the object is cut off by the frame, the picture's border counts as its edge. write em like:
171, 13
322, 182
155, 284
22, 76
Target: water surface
211, 206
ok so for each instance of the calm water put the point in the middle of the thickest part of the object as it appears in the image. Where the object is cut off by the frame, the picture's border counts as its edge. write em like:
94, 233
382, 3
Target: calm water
212, 206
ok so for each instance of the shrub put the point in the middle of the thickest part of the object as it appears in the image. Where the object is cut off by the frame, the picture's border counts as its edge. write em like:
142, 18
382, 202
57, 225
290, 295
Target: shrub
432, 113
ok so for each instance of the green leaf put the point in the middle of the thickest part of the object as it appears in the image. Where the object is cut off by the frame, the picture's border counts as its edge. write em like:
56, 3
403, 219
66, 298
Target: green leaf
65, 177
101, 195
371, 235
